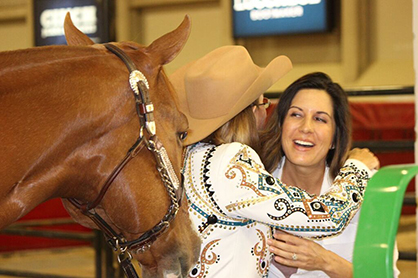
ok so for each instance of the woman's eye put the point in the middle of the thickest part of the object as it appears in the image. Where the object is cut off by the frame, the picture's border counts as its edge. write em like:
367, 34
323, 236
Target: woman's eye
321, 120
183, 135
294, 114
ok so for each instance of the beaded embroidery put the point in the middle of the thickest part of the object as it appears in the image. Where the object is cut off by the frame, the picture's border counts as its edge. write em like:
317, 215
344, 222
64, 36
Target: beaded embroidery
229, 184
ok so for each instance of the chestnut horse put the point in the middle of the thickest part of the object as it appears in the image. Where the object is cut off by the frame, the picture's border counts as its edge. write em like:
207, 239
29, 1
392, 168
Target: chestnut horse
68, 119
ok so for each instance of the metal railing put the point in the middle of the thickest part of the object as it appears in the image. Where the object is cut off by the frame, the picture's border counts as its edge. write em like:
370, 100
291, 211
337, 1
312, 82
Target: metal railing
104, 257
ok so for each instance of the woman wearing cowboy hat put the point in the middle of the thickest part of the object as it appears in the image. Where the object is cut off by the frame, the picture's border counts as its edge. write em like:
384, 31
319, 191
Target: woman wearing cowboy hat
233, 200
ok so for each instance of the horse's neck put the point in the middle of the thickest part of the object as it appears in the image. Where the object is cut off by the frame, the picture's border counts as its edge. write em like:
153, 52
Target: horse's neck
54, 110
24, 59
44, 90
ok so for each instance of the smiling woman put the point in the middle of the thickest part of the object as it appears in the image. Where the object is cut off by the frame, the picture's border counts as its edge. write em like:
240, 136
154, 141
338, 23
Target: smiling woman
314, 85
307, 135
306, 142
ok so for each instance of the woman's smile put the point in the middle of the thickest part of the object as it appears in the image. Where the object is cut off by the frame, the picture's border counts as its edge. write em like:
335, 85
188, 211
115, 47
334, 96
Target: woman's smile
303, 143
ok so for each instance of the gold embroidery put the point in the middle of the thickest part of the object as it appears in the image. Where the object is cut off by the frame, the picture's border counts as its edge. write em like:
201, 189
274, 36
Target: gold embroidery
260, 252
230, 174
247, 203
206, 259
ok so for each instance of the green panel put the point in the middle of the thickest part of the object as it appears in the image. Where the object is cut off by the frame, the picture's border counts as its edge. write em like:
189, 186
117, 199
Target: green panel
379, 220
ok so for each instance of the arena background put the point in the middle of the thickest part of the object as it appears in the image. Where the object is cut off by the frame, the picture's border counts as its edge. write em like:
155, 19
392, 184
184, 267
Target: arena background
371, 46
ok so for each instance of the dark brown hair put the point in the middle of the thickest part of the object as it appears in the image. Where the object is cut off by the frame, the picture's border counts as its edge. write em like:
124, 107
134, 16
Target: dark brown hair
272, 152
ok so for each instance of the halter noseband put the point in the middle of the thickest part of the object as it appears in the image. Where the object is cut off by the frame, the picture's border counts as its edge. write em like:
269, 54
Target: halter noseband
144, 107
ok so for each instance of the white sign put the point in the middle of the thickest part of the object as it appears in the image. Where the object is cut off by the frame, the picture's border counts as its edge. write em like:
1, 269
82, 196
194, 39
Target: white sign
273, 9
52, 20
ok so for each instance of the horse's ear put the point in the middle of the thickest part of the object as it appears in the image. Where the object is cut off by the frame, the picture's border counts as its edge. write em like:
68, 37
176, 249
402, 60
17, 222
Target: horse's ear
73, 35
170, 45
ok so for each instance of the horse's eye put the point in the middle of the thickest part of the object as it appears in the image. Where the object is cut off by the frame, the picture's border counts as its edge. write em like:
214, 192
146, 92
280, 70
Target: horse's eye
183, 135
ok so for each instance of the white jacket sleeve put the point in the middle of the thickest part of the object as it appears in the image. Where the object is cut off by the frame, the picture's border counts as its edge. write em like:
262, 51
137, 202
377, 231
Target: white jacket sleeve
241, 189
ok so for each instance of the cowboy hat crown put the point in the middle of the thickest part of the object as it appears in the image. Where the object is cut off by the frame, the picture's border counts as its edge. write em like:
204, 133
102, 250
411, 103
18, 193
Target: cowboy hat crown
215, 88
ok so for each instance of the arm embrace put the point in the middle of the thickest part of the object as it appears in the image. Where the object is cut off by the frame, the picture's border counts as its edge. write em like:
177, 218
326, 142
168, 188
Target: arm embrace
235, 183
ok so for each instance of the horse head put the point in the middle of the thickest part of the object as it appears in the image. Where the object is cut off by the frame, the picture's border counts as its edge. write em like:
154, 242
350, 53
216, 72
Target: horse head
83, 125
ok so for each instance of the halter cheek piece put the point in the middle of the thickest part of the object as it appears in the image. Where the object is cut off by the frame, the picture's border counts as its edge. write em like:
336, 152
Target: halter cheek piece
144, 108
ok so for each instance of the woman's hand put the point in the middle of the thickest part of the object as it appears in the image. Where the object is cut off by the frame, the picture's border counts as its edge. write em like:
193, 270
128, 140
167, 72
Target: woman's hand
298, 252
365, 156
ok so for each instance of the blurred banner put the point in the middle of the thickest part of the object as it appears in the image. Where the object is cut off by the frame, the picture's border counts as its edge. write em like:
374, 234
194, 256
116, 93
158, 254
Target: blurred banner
93, 17
278, 17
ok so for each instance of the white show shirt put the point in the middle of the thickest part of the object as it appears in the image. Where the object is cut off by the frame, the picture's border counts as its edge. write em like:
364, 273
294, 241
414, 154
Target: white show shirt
234, 202
341, 244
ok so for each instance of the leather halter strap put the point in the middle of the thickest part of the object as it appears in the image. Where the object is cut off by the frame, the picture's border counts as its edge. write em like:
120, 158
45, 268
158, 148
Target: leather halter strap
144, 108
85, 207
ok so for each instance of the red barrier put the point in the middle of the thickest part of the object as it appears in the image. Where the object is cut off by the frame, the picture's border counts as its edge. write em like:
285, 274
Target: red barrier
383, 121
387, 122
52, 209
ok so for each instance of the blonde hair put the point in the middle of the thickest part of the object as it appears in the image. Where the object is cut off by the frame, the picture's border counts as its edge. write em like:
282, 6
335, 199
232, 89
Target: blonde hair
242, 128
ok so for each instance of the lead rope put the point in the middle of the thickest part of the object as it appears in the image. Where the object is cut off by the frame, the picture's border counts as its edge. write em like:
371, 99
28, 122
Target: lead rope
125, 261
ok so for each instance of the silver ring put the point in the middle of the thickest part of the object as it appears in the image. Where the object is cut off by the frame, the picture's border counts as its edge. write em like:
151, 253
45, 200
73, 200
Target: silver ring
294, 257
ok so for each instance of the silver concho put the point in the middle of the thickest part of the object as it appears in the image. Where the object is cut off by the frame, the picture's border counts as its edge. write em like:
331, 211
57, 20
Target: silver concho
134, 78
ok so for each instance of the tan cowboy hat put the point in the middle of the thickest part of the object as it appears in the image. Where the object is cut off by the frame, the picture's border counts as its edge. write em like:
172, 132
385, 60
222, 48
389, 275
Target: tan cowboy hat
215, 88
